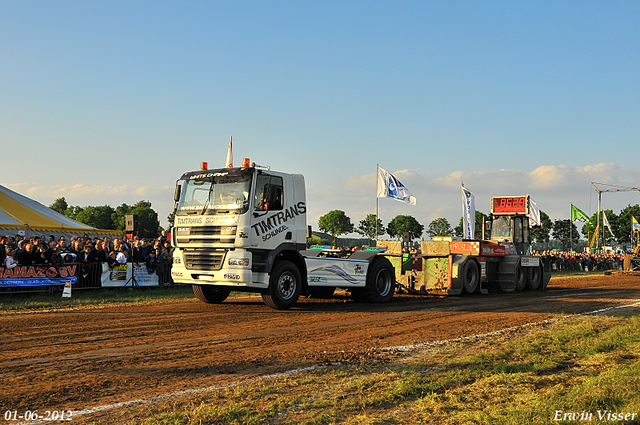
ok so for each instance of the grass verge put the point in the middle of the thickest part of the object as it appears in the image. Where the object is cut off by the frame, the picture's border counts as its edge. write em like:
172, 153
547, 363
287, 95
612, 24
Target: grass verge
586, 365
83, 298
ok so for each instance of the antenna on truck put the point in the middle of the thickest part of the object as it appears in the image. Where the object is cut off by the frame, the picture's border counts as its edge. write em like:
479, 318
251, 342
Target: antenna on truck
264, 167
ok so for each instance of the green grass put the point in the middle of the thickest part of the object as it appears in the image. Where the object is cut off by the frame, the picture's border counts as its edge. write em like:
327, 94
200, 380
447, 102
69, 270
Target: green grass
80, 298
577, 365
570, 273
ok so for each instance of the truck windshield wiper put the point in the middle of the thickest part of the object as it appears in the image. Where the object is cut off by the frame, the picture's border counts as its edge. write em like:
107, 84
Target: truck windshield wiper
208, 201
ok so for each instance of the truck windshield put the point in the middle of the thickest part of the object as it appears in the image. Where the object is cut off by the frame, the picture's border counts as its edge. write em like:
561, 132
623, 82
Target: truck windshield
215, 195
502, 229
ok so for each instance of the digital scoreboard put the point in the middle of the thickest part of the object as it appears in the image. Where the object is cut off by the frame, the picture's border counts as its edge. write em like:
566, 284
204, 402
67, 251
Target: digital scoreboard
509, 205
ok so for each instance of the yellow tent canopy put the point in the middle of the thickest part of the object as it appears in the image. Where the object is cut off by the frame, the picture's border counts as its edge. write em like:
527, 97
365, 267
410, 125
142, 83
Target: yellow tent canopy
21, 214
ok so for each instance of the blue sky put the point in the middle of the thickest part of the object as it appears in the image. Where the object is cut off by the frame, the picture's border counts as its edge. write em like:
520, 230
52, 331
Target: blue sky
109, 102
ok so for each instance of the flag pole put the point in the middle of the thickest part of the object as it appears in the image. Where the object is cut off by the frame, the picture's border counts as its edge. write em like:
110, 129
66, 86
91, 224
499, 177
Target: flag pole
571, 229
377, 183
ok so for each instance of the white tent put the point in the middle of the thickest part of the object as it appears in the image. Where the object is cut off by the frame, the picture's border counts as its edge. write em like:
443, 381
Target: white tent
22, 215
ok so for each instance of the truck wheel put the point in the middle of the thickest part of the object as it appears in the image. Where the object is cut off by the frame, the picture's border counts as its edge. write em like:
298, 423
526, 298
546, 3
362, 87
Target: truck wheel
470, 276
520, 277
381, 281
285, 285
210, 294
534, 278
321, 292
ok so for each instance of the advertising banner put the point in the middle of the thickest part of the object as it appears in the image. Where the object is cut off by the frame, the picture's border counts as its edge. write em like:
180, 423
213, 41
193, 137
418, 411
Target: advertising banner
38, 275
121, 275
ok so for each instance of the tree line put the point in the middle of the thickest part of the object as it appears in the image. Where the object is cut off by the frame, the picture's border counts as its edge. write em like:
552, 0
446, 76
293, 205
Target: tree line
108, 218
337, 223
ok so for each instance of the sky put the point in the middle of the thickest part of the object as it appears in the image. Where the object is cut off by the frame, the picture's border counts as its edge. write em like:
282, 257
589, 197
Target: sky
109, 102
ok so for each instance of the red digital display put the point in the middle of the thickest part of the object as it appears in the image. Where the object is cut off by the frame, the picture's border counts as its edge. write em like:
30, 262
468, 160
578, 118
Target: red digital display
509, 205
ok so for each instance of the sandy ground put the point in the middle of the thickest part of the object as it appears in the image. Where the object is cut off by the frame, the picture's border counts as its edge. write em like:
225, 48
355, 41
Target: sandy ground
79, 359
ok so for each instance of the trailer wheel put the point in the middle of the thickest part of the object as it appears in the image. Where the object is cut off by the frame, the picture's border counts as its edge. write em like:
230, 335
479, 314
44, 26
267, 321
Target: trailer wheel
321, 292
470, 276
381, 282
534, 278
285, 285
210, 294
520, 277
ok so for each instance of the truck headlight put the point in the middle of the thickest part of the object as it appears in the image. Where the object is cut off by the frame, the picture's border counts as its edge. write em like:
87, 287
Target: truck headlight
239, 262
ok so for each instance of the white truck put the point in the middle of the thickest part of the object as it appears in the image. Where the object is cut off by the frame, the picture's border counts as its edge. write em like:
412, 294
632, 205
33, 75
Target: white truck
245, 229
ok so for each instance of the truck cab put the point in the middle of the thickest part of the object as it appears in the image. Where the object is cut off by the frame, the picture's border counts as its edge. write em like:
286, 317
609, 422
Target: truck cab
245, 229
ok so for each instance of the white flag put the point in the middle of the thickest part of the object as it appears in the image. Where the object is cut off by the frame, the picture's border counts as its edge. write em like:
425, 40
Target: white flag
391, 187
606, 223
468, 213
534, 214
229, 155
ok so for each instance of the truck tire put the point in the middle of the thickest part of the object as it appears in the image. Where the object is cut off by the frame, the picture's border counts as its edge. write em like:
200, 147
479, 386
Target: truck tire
470, 276
520, 277
534, 278
285, 286
210, 294
321, 292
381, 282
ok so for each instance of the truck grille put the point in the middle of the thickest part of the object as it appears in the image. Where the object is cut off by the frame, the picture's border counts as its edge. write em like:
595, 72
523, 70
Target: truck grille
203, 260
206, 234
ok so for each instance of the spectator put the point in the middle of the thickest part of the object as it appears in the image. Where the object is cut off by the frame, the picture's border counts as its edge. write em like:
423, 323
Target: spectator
136, 254
25, 256
39, 255
112, 260
99, 252
9, 261
121, 256
150, 262
56, 259
3, 250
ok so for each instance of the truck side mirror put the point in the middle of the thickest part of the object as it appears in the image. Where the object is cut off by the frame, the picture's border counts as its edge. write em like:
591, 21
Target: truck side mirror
487, 228
176, 194
309, 232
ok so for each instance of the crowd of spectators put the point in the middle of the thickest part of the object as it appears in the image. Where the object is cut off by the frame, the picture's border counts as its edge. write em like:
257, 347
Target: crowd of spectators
582, 261
156, 254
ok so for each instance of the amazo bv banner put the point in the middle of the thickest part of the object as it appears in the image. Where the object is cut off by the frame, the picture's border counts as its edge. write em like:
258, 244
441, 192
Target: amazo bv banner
38, 275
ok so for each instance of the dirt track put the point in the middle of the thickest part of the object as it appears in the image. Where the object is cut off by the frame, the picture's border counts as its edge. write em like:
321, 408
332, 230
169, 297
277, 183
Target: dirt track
79, 359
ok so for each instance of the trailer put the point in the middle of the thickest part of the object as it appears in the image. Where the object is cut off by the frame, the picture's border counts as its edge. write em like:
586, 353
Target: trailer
503, 261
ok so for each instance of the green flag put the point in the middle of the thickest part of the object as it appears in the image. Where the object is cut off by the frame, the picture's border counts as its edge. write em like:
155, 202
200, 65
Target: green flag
577, 214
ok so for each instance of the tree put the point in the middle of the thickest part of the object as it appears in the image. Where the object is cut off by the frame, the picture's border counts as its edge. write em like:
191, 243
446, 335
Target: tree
562, 229
480, 218
624, 222
439, 227
73, 212
367, 227
317, 240
148, 224
335, 223
405, 223
59, 205
589, 228
171, 218
97, 217
542, 233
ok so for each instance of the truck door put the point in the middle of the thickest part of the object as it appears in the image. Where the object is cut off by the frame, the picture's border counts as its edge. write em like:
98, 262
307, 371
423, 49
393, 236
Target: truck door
267, 202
